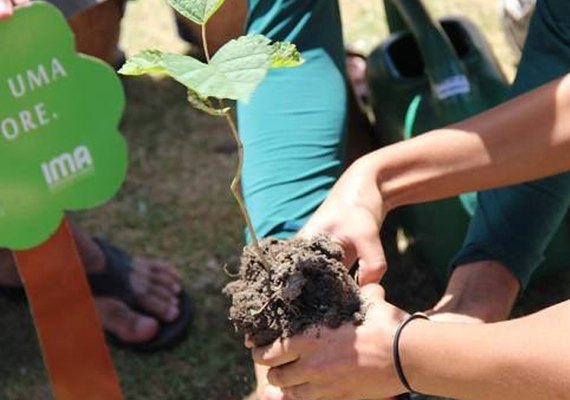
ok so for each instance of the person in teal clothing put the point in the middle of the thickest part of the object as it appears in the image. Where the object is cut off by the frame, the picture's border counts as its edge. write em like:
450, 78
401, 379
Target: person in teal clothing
294, 136
394, 352
514, 225
293, 130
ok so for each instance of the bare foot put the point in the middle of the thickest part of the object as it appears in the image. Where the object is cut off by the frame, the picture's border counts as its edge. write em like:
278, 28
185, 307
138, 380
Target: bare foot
156, 286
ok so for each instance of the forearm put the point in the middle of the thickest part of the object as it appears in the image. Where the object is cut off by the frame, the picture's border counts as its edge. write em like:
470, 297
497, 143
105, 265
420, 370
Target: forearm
524, 139
520, 359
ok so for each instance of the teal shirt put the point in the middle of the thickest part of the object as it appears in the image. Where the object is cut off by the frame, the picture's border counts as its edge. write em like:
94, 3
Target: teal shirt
514, 225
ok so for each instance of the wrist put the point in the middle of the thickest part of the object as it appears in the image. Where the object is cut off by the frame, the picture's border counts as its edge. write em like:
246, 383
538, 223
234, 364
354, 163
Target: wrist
385, 178
362, 175
421, 349
397, 351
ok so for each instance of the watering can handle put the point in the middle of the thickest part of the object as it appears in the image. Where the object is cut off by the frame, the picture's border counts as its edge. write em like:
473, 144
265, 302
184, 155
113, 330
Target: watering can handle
442, 66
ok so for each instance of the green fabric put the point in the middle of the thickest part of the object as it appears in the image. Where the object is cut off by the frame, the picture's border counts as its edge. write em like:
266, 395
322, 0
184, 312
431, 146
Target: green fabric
514, 225
293, 129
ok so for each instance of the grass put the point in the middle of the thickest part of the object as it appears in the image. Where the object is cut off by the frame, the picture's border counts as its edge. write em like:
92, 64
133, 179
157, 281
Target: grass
176, 205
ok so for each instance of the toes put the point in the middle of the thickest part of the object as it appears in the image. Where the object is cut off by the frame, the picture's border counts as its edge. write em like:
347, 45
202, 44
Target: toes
160, 273
157, 287
164, 310
163, 294
158, 266
172, 284
127, 325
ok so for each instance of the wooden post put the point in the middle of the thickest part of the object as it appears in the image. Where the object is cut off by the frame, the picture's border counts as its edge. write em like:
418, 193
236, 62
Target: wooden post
73, 345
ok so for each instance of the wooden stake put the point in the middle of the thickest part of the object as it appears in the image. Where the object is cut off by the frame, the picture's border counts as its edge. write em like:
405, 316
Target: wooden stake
74, 350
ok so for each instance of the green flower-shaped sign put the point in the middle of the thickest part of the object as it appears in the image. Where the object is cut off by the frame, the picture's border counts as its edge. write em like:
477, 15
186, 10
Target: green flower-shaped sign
60, 148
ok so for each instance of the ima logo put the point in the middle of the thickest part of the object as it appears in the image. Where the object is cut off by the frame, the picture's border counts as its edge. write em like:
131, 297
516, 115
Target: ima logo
67, 166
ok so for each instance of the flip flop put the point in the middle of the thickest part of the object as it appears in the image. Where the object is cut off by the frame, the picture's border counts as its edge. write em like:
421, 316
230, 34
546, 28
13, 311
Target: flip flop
114, 282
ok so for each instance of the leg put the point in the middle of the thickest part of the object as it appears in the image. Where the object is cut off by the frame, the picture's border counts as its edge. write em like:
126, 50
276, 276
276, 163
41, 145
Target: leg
293, 129
97, 30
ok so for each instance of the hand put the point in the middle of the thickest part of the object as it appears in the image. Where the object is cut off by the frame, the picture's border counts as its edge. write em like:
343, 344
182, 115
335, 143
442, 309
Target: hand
7, 7
348, 363
352, 216
477, 292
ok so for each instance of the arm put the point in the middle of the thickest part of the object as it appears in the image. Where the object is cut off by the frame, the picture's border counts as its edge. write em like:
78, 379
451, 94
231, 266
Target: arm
524, 139
520, 359
499, 147
497, 231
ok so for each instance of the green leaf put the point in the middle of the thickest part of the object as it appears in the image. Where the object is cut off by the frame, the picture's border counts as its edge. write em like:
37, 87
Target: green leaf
285, 55
198, 11
234, 72
240, 66
155, 61
186, 70
204, 105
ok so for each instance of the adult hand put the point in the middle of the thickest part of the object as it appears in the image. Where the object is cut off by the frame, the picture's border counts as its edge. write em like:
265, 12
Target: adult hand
348, 363
7, 7
352, 216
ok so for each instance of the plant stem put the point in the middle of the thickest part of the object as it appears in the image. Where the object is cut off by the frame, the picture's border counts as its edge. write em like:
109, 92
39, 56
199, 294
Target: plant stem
205, 43
235, 186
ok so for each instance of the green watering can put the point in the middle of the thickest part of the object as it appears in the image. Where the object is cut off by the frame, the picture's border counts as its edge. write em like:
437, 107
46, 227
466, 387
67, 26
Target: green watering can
429, 74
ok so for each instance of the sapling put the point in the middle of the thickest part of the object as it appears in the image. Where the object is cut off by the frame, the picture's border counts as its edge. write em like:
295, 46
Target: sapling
233, 73
284, 286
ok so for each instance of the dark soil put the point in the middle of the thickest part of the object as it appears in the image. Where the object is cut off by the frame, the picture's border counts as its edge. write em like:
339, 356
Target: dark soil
307, 285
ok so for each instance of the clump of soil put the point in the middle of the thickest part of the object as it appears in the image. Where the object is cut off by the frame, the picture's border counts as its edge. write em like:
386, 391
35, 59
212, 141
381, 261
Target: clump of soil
307, 285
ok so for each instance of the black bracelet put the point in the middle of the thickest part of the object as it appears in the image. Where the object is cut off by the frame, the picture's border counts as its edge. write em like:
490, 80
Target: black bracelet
396, 349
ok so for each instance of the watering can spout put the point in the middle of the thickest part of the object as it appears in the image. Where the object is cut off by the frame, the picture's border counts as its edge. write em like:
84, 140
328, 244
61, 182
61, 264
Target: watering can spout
454, 95
428, 74
411, 15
